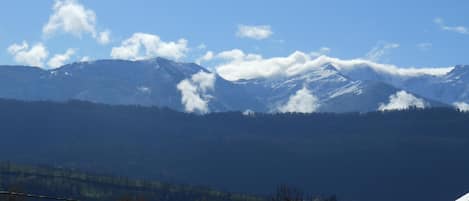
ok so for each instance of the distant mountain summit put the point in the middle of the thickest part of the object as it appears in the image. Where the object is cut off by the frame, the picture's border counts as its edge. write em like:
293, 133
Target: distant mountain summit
448, 88
152, 82
192, 88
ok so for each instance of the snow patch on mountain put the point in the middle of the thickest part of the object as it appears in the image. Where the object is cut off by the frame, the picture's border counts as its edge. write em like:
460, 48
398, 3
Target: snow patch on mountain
352, 88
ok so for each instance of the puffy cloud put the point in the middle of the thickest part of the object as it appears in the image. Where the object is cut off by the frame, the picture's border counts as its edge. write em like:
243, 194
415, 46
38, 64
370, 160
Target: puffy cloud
303, 101
13, 49
462, 106
238, 55
320, 52
193, 91
380, 50
204, 81
69, 16
424, 46
254, 32
207, 57
402, 101
104, 37
191, 99
60, 59
237, 65
144, 46
33, 56
457, 29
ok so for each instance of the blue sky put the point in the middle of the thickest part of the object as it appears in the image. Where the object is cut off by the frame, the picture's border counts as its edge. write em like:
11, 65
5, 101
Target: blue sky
400, 32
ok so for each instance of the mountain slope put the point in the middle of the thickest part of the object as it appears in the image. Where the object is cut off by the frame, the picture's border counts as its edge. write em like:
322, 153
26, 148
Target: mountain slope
448, 88
192, 88
333, 91
147, 82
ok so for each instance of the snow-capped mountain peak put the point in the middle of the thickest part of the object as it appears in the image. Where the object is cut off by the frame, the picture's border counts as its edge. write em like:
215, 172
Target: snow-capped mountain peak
331, 86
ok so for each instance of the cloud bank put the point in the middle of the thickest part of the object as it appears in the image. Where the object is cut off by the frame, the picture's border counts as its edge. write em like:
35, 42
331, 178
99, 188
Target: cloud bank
194, 92
144, 46
236, 65
303, 101
254, 32
402, 101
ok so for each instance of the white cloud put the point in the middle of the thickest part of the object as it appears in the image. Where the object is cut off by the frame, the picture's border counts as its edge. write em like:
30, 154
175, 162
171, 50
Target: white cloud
303, 101
402, 100
104, 37
85, 59
457, 29
33, 56
207, 57
144, 46
13, 49
193, 91
191, 99
71, 17
204, 81
238, 55
320, 52
254, 32
380, 50
424, 46
59, 60
462, 106
237, 65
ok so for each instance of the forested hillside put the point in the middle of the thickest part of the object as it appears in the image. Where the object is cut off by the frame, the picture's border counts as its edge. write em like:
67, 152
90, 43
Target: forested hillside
407, 155
60, 183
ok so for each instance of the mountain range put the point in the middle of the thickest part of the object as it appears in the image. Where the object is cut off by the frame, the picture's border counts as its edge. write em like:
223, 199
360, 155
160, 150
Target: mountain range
192, 88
